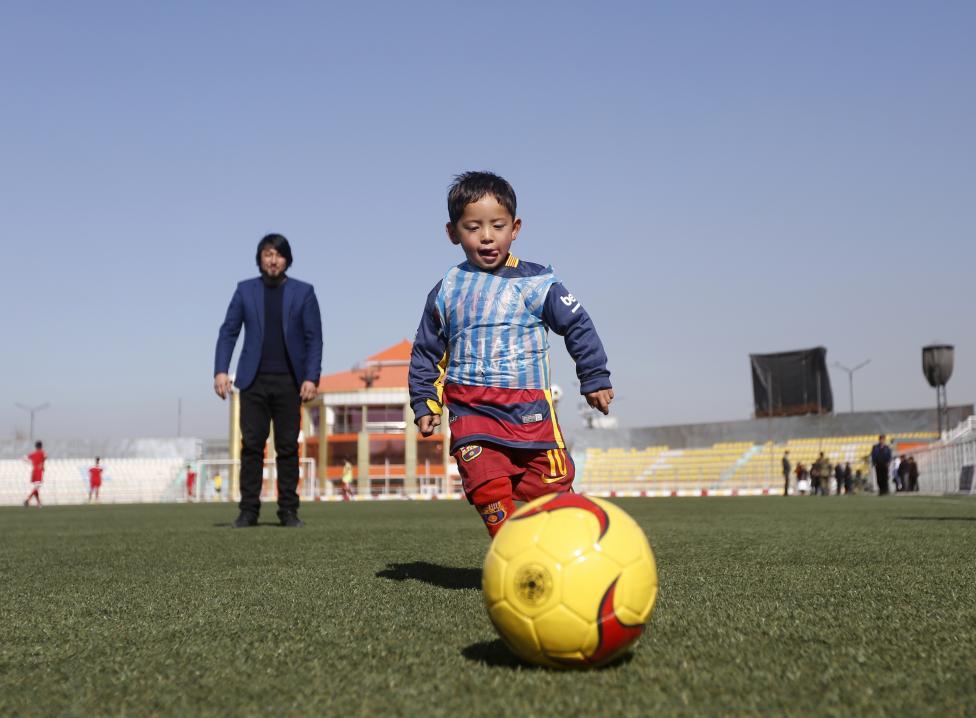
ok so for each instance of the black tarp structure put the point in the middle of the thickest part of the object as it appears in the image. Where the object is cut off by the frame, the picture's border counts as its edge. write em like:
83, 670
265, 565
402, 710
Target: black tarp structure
791, 383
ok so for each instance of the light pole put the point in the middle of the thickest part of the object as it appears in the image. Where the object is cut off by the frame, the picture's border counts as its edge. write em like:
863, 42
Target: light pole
32, 410
937, 362
850, 376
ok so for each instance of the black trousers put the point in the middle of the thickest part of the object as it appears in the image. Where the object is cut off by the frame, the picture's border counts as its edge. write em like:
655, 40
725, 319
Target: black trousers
271, 398
882, 471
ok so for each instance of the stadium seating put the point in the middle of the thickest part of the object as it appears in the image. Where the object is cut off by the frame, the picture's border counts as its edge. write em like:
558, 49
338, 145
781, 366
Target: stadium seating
731, 466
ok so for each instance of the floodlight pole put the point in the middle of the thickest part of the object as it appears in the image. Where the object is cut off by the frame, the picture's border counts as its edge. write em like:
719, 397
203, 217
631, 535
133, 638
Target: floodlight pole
850, 376
32, 410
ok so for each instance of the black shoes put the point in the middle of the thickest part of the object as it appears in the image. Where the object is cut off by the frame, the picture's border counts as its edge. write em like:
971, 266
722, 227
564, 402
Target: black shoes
290, 520
244, 520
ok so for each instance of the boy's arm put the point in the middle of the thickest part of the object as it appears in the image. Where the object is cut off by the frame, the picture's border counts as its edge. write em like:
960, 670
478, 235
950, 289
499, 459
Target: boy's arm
428, 362
563, 313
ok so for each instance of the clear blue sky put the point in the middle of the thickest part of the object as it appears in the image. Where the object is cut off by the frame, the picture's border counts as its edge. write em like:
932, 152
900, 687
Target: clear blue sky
710, 179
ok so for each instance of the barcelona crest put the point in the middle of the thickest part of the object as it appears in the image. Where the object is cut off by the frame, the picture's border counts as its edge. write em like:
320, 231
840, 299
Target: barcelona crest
493, 514
470, 452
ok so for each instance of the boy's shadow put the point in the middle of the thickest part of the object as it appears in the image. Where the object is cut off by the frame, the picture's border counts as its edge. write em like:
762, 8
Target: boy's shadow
495, 654
440, 576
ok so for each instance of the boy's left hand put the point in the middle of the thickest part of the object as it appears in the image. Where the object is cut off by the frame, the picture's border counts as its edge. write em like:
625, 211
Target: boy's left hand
600, 400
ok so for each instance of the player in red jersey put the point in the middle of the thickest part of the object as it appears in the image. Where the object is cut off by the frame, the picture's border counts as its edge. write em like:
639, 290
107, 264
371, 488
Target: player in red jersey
36, 459
191, 479
94, 480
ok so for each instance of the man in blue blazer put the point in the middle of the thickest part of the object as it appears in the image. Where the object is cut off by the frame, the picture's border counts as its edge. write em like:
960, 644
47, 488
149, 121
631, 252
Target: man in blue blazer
279, 368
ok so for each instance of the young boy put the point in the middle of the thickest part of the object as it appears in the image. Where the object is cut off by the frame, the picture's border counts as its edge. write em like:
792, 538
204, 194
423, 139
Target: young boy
482, 350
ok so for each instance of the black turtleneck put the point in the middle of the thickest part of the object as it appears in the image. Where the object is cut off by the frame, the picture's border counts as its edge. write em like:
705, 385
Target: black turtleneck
274, 356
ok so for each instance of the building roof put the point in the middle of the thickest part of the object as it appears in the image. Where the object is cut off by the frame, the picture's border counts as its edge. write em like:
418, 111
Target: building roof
391, 365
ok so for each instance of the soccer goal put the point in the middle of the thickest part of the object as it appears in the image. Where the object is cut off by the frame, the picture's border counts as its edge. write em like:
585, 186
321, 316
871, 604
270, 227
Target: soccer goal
216, 481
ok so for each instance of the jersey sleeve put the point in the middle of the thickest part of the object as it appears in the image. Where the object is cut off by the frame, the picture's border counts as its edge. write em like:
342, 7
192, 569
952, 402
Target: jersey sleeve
563, 313
428, 360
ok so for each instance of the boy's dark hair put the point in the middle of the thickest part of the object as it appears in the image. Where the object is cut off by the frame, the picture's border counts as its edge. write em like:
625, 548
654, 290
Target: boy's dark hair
472, 186
38, 445
278, 243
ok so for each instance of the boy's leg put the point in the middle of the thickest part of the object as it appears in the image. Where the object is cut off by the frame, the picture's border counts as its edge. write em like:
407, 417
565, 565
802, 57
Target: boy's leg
486, 476
546, 472
494, 502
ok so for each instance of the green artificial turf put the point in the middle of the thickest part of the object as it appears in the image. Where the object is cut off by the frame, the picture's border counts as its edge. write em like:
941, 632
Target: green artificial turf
773, 606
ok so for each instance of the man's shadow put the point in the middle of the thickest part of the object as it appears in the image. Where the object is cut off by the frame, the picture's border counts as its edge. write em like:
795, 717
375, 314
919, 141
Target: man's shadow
440, 576
937, 518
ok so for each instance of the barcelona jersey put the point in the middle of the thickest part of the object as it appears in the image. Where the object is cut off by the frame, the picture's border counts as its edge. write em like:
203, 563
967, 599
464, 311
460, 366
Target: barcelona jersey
482, 350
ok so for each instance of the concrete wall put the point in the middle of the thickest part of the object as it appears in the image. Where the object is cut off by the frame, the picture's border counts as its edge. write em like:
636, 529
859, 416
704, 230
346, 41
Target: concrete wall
685, 436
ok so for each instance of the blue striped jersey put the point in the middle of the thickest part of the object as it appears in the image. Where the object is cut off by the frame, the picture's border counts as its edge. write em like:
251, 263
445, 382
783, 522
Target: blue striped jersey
493, 324
489, 329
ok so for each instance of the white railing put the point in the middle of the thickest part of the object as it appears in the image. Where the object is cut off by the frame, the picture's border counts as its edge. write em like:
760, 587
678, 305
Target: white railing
66, 481
941, 464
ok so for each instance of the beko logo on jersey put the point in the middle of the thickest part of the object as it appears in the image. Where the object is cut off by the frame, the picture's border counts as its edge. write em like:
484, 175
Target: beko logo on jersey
569, 300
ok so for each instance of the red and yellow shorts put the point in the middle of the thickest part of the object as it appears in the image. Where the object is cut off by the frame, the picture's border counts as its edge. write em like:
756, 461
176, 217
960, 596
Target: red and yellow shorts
532, 472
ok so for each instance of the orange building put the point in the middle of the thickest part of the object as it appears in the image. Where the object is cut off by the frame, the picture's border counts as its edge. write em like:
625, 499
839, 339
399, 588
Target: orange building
369, 423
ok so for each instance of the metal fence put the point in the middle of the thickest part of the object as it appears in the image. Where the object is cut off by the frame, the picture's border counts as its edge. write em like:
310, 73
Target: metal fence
946, 466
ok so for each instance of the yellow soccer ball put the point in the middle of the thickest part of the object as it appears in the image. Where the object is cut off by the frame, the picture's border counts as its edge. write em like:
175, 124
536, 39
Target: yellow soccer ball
569, 581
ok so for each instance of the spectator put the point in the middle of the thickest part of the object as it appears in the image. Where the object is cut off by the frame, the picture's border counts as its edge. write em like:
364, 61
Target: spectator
345, 484
786, 473
839, 478
901, 474
912, 474
880, 460
821, 475
848, 479
802, 479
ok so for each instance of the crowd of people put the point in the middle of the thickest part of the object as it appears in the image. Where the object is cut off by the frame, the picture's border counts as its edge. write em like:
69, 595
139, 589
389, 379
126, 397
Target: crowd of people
821, 478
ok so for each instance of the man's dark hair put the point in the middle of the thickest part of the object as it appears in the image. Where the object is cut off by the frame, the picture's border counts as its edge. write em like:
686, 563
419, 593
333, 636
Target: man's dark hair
472, 186
276, 242
38, 445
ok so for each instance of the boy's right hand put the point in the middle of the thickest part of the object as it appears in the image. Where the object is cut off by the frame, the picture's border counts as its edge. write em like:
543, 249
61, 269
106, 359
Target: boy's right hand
428, 423
600, 400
